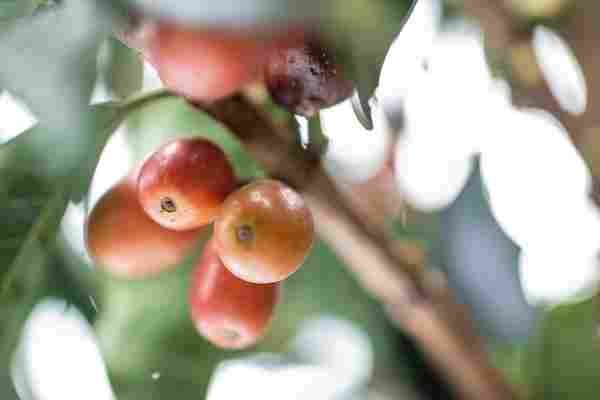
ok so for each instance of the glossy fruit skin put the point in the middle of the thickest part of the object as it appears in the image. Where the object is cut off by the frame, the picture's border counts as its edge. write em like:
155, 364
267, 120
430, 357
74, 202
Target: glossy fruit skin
265, 232
123, 241
229, 312
304, 79
184, 183
206, 65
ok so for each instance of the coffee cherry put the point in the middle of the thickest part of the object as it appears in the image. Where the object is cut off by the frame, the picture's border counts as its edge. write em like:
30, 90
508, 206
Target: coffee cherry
183, 184
228, 311
265, 232
305, 79
123, 241
206, 65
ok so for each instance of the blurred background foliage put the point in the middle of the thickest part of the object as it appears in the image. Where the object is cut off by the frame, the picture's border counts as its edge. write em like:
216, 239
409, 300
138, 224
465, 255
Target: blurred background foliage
56, 54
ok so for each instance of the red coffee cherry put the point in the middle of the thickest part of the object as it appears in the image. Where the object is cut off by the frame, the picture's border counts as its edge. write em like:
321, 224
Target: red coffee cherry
304, 79
183, 185
229, 312
123, 241
265, 232
206, 65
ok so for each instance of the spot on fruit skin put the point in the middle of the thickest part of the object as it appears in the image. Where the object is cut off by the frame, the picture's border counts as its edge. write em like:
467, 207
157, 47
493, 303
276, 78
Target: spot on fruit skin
168, 205
245, 233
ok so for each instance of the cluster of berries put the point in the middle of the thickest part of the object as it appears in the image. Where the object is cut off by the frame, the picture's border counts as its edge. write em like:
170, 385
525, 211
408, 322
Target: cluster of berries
155, 217
205, 65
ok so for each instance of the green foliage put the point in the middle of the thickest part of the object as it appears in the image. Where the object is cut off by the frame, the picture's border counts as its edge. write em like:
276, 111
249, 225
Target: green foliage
364, 30
170, 118
564, 359
13, 9
35, 187
54, 75
125, 71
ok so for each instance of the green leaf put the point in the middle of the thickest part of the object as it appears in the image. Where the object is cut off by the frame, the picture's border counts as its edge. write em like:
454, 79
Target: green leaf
364, 31
50, 156
35, 183
170, 118
33, 176
125, 72
35, 188
50, 61
564, 359
231, 12
13, 9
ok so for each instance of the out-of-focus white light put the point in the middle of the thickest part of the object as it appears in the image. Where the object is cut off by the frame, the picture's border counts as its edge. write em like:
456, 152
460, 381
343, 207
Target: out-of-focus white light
100, 94
354, 154
275, 379
115, 162
15, 116
151, 80
405, 59
534, 176
406, 54
73, 227
303, 130
561, 70
453, 101
552, 275
59, 356
458, 57
429, 177
337, 344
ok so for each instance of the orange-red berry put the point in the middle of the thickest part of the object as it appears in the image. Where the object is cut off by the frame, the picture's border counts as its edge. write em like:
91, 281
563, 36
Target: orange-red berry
206, 65
183, 185
265, 231
123, 241
229, 312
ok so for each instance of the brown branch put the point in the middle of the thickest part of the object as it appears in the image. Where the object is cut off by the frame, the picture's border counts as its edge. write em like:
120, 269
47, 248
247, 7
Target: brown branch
363, 242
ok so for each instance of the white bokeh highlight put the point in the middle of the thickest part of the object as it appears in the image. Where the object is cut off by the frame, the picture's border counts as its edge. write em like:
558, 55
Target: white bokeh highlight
329, 359
561, 70
58, 356
534, 176
446, 105
536, 180
354, 154
16, 117
115, 163
428, 178
337, 344
554, 275
407, 54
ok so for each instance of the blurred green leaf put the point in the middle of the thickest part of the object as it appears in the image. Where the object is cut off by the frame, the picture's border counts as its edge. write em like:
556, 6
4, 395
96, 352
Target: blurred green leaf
33, 195
364, 31
125, 72
170, 118
49, 60
51, 156
564, 359
12, 9
230, 12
